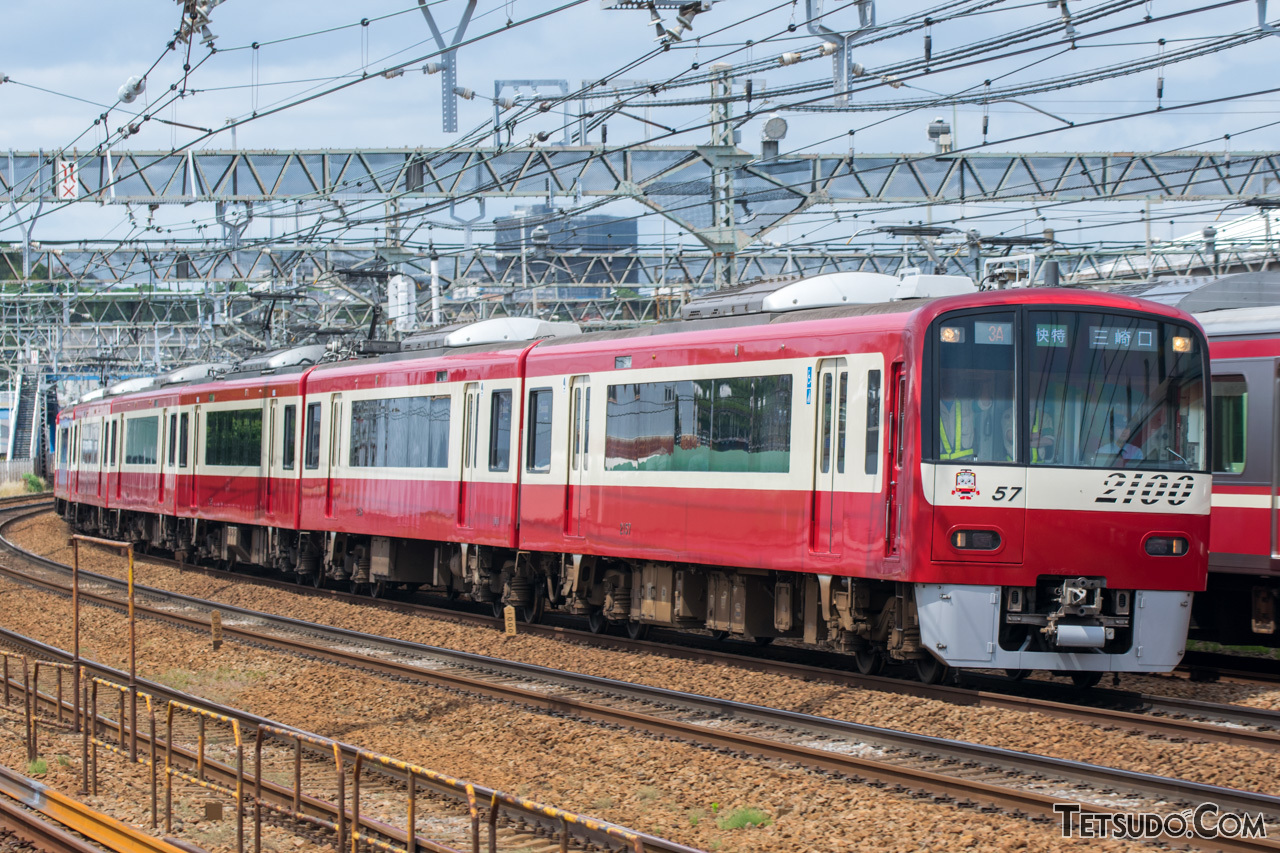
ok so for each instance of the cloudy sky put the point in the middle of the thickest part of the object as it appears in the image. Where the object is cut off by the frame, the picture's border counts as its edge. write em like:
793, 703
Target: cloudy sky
66, 61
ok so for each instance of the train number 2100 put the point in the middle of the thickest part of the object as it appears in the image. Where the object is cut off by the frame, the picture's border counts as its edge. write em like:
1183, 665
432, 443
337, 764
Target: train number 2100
1150, 489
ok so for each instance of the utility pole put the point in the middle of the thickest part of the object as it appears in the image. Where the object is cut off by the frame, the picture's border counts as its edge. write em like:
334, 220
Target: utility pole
724, 238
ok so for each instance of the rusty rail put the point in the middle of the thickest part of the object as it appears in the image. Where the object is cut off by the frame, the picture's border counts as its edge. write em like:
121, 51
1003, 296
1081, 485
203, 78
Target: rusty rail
485, 806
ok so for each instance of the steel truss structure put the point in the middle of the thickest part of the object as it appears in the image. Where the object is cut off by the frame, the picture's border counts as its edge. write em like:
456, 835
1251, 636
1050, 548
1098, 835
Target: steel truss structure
114, 312
674, 181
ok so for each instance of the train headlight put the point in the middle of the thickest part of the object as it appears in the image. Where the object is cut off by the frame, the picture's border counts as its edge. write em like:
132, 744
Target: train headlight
1166, 546
975, 540
1181, 344
952, 335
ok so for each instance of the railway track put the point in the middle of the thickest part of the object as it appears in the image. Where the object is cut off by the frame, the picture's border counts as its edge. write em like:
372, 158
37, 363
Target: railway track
45, 819
943, 769
1163, 716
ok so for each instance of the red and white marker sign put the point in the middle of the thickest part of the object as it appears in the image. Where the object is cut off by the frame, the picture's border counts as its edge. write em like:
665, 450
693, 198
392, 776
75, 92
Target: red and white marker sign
68, 181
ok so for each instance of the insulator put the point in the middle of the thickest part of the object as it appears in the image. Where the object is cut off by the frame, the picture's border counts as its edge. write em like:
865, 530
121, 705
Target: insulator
928, 48
1160, 87
827, 48
789, 59
506, 103
432, 68
464, 93
986, 120
856, 70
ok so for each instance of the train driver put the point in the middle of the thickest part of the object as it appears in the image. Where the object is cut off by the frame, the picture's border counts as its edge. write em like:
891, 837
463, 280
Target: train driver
955, 419
1119, 450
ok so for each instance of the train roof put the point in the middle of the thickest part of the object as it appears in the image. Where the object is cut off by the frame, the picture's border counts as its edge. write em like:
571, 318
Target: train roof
1200, 295
1241, 322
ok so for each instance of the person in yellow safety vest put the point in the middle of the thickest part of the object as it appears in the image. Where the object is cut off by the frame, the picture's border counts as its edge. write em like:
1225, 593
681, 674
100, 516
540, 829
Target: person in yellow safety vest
1042, 438
955, 423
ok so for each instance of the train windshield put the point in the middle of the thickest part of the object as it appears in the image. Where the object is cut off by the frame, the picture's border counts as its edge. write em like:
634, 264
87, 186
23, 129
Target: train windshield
1114, 391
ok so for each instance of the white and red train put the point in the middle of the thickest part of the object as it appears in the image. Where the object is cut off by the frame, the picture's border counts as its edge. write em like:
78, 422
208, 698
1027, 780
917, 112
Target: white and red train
1244, 560
1011, 479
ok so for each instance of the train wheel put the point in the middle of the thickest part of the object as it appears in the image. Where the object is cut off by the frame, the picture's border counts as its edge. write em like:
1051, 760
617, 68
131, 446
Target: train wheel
719, 636
317, 580
1085, 680
596, 623
379, 589
531, 614
930, 670
637, 630
869, 661
498, 607
1017, 674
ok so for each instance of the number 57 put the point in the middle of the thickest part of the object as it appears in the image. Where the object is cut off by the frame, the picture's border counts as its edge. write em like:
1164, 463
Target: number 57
1005, 493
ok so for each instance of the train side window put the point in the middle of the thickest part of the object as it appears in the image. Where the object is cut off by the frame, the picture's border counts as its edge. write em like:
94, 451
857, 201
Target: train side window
313, 436
233, 437
62, 446
842, 416
826, 423
183, 441
1230, 423
112, 442
290, 437
538, 454
872, 460
173, 439
500, 431
142, 440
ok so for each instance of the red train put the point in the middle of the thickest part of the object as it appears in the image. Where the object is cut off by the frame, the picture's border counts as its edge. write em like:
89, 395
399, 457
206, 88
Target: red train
1244, 558
1013, 479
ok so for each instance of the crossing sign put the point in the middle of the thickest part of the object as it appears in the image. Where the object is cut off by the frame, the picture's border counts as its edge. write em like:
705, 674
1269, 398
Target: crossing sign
68, 180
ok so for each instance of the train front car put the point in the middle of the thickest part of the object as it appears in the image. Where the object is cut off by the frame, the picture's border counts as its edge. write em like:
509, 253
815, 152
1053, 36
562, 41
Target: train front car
1066, 490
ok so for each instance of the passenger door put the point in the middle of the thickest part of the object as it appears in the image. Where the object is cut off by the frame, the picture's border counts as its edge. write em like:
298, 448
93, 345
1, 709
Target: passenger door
270, 472
825, 519
335, 432
579, 453
470, 454
896, 398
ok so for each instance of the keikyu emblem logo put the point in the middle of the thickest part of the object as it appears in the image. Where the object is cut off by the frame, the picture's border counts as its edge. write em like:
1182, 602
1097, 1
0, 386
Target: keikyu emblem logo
966, 485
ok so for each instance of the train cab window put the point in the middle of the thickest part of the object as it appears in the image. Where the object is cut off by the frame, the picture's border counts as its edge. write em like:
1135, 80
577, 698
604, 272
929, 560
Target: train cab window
538, 454
290, 437
1230, 417
1114, 391
62, 445
183, 440
173, 440
500, 431
233, 437
111, 460
974, 412
871, 463
141, 440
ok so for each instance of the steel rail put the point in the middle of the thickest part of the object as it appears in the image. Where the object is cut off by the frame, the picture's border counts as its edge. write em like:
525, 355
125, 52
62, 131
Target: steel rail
1014, 798
92, 824
595, 831
1130, 719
